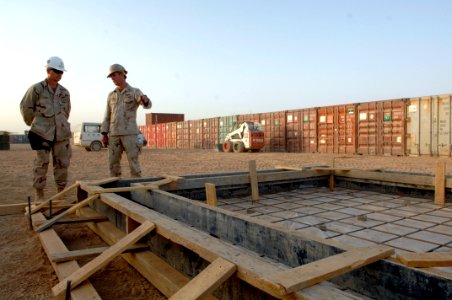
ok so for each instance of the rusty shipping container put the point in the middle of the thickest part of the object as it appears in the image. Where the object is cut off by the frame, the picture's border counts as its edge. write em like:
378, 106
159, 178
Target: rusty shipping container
381, 127
171, 134
183, 135
274, 127
159, 118
160, 136
337, 129
301, 130
195, 134
429, 126
209, 133
247, 117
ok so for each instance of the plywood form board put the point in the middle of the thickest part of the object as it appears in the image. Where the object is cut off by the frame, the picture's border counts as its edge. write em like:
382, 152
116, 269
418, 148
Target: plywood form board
425, 260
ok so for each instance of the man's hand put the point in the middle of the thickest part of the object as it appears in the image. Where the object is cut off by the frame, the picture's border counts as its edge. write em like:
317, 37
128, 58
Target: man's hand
105, 139
144, 100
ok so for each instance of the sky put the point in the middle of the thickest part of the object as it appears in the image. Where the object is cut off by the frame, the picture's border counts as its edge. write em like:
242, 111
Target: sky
208, 59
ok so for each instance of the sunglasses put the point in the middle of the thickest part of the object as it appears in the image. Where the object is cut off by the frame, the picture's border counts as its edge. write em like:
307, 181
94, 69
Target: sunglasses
57, 71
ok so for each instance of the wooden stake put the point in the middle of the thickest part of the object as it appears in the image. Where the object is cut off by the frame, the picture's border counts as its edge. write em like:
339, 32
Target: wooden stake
331, 181
440, 183
253, 181
211, 194
103, 259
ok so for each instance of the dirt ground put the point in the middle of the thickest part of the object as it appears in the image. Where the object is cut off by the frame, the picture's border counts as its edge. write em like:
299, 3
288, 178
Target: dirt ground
25, 270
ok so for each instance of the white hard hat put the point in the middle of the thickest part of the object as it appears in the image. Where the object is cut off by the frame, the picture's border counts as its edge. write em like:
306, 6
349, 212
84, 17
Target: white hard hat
56, 63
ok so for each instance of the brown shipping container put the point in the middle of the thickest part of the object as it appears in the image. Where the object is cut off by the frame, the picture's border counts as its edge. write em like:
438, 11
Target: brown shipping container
381, 127
294, 130
274, 126
195, 134
160, 135
337, 128
159, 118
171, 131
429, 126
309, 130
247, 117
210, 133
183, 135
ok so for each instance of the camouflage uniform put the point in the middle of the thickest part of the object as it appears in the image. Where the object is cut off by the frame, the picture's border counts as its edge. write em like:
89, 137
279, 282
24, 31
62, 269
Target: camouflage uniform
120, 122
47, 112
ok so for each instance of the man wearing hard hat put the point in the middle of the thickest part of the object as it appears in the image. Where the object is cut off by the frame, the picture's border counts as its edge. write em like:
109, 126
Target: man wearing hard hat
46, 107
119, 127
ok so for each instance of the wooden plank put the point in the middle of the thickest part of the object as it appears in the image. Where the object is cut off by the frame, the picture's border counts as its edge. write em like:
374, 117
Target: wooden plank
158, 272
211, 194
52, 244
426, 260
125, 189
289, 168
89, 252
102, 260
253, 181
310, 274
207, 281
102, 181
440, 183
56, 196
12, 209
70, 210
72, 220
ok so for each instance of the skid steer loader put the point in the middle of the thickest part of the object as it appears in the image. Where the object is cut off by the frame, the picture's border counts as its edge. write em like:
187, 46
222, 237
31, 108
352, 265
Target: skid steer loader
248, 137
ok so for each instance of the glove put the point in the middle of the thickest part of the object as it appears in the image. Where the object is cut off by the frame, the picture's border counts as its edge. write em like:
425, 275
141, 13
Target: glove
105, 139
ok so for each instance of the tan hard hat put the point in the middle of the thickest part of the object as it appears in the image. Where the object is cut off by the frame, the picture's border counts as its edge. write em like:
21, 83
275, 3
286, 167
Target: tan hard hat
116, 68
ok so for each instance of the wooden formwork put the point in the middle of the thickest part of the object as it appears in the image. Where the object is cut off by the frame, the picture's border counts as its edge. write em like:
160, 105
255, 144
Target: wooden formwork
228, 251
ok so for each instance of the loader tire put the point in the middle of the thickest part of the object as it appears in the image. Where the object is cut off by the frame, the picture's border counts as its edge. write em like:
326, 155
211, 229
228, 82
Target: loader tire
227, 146
238, 147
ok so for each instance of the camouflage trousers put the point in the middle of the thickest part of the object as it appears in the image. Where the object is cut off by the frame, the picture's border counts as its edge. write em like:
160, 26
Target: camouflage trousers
116, 146
61, 156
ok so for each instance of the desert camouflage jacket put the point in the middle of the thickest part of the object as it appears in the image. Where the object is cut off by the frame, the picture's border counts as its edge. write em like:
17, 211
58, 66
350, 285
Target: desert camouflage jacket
47, 111
121, 113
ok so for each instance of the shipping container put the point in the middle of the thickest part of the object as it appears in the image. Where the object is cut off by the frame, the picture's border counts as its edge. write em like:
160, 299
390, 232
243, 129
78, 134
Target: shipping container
159, 118
247, 117
337, 129
4, 140
195, 134
160, 136
209, 133
301, 130
309, 130
171, 134
18, 139
226, 125
183, 135
429, 126
294, 131
274, 127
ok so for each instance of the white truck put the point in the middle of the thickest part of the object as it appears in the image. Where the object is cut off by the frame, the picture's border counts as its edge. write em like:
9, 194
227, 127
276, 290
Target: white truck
88, 135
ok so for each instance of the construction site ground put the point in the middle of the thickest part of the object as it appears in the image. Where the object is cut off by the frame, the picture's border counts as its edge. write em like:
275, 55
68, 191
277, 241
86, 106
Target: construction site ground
355, 217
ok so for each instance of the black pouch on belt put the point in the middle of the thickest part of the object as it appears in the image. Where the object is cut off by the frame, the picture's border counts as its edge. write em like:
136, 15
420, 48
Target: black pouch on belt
37, 142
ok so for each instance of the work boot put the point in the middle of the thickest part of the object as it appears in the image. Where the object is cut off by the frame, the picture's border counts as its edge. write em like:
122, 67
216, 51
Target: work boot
39, 195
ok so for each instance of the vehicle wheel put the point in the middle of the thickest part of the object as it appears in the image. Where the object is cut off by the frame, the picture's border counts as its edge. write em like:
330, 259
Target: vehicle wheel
227, 146
239, 147
96, 146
